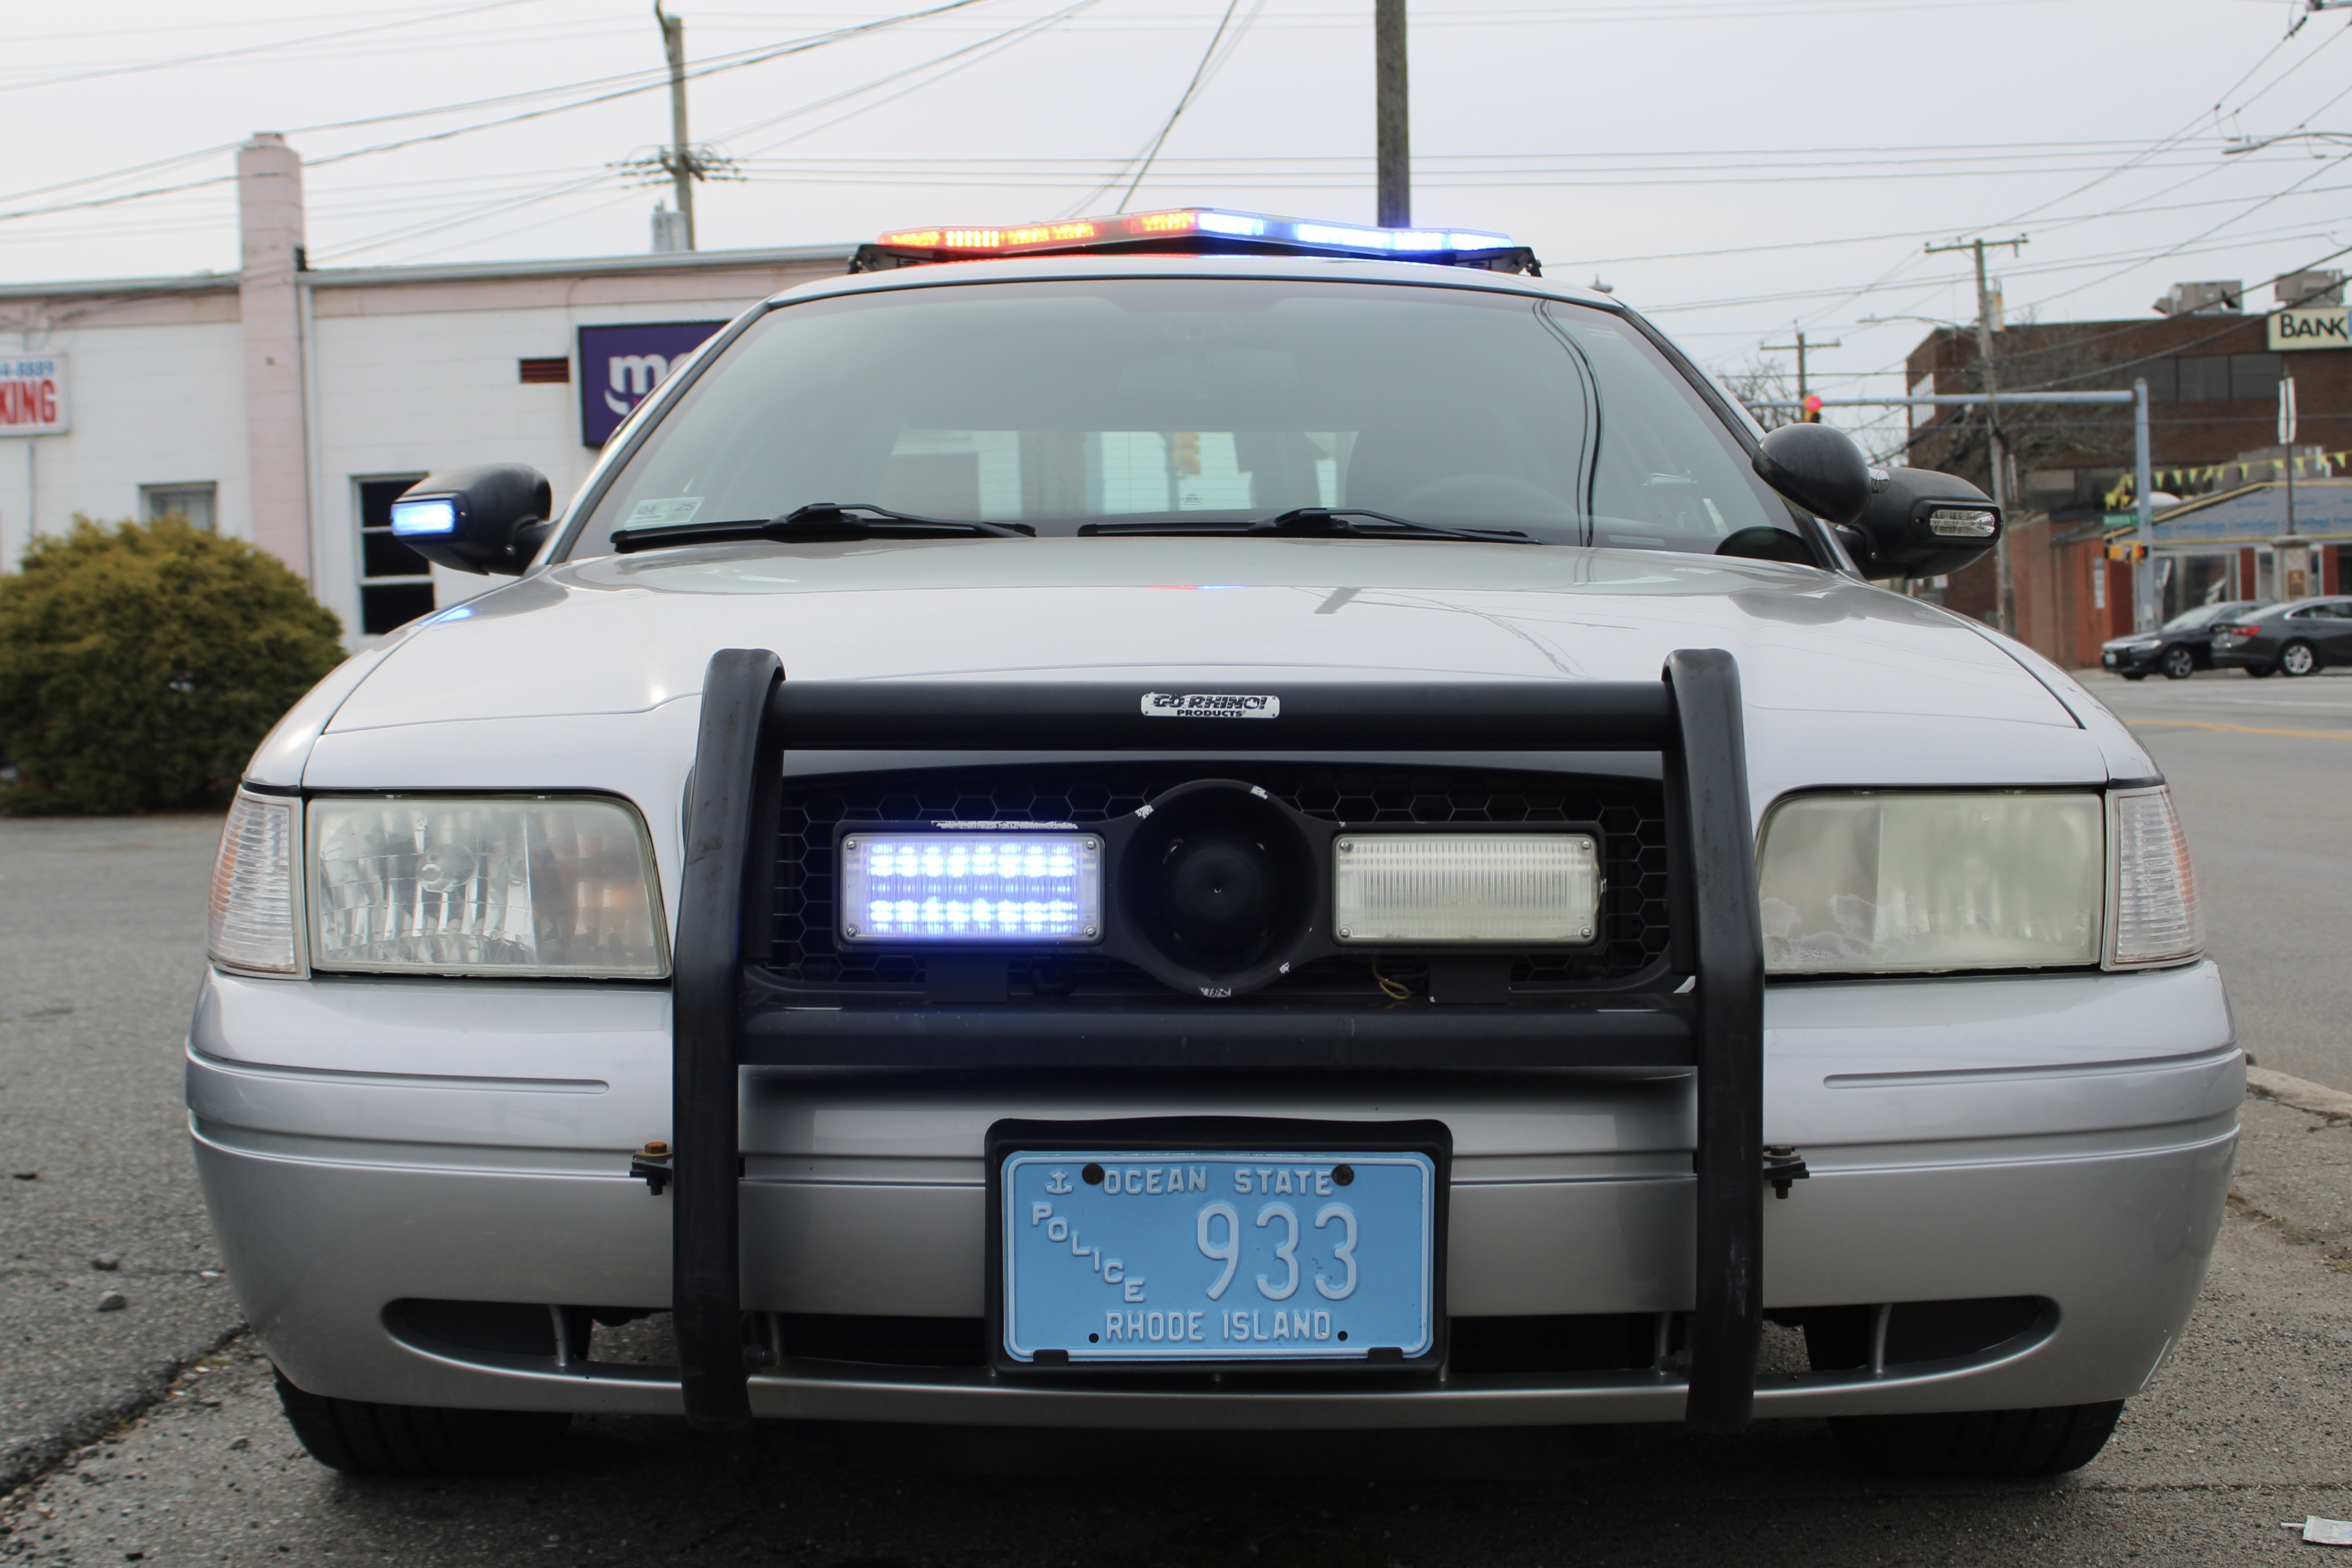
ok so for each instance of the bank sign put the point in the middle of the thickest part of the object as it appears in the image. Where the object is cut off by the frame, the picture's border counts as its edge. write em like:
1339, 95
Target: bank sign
619, 365
33, 396
2311, 327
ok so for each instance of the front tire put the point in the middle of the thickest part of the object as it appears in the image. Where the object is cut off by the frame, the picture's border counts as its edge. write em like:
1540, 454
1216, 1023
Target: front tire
1978, 1444
2298, 659
2179, 663
2261, 672
2134, 675
413, 1440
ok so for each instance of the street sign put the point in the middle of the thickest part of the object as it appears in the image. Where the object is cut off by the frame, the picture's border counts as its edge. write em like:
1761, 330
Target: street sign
2312, 326
33, 396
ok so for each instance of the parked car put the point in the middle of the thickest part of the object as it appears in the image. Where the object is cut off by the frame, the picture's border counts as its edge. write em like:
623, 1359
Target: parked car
2300, 637
1189, 820
2180, 648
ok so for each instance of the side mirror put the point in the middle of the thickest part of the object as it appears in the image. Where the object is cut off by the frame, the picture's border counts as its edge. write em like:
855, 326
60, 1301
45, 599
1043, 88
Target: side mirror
1921, 523
1818, 467
485, 519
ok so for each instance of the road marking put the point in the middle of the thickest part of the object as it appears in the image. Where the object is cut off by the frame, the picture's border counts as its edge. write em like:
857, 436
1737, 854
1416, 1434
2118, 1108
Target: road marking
2248, 729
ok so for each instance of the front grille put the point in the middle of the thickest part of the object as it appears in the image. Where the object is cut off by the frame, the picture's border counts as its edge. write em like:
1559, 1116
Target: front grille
805, 954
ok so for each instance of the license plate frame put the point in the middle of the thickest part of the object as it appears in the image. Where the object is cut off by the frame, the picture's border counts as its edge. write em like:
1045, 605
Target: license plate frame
1211, 1135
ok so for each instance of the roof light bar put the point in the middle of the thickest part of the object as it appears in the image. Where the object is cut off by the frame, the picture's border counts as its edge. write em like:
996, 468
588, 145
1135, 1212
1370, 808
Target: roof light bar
1197, 229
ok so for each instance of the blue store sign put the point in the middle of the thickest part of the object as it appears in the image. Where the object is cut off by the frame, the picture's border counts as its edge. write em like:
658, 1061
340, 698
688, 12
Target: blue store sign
619, 365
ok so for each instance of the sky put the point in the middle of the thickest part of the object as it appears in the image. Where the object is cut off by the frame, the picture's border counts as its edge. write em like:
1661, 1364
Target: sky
1739, 170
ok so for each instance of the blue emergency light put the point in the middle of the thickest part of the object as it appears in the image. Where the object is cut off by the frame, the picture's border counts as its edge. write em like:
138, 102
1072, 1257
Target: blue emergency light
429, 516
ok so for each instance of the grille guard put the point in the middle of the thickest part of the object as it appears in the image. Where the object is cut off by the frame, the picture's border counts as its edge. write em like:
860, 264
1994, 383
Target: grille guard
1692, 718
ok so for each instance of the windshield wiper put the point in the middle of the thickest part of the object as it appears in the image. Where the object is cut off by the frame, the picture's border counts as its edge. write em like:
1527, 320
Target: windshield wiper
1320, 522
818, 522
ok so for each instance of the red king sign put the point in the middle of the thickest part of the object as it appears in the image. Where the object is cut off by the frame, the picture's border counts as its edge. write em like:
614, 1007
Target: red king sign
33, 396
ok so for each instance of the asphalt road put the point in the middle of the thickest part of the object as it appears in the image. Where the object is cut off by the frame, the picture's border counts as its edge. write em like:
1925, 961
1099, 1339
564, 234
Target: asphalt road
102, 940
2261, 774
101, 930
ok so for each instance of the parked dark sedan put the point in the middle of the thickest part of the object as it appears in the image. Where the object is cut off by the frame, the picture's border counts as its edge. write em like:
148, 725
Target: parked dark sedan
2180, 648
2300, 637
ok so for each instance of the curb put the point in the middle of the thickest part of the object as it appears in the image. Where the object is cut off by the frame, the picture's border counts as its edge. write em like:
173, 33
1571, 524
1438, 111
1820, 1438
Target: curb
2300, 1093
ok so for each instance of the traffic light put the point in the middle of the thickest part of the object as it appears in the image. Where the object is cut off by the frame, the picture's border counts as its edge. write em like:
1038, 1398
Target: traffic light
1812, 408
2127, 549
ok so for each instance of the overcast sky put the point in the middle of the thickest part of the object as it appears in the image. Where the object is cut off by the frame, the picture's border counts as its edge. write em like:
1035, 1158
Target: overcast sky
1736, 168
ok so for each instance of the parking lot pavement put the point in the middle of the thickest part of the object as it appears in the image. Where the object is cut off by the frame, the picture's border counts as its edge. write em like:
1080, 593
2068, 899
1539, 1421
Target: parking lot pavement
2261, 771
102, 926
2246, 1427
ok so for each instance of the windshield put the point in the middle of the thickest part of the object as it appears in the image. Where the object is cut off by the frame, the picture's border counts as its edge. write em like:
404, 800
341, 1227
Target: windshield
1087, 404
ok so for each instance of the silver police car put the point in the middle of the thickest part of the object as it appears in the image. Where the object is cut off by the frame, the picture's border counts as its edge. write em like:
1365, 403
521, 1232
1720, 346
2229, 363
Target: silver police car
1197, 821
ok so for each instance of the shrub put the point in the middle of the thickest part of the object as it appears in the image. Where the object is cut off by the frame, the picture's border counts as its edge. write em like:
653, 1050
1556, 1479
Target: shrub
140, 665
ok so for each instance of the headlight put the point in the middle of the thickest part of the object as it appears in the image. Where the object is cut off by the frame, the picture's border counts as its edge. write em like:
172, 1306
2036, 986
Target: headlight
252, 925
430, 884
2158, 919
1910, 883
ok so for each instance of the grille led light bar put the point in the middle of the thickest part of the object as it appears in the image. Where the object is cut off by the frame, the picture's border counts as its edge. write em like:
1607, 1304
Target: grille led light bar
1465, 887
1354, 239
933, 887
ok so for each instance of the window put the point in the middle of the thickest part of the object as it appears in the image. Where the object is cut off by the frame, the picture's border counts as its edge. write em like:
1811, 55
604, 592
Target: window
194, 502
2224, 378
2254, 378
395, 582
2204, 378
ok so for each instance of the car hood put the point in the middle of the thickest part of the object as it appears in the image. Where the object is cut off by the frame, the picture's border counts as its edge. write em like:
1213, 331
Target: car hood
1842, 681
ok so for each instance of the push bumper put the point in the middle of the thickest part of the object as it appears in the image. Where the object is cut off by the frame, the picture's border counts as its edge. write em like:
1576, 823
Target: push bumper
367, 1142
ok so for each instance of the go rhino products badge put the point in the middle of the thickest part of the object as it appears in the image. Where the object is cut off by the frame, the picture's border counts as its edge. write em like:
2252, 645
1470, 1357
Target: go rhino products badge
1209, 704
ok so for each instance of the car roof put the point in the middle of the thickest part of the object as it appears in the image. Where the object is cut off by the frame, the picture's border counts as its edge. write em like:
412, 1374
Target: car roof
1157, 264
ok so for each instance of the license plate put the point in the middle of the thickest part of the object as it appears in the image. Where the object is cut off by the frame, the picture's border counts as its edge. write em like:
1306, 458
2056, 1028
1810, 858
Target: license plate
1224, 1255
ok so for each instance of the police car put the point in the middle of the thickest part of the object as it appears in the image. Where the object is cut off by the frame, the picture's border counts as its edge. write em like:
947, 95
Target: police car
1198, 820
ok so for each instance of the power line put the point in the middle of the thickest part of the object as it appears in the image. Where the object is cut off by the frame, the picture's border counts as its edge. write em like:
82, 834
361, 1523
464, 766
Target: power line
249, 49
986, 48
1144, 166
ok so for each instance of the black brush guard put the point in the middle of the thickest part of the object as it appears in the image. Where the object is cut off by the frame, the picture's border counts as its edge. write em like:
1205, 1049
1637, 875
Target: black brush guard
1691, 719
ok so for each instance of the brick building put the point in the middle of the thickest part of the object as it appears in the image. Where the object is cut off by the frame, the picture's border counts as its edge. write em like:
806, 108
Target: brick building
2213, 375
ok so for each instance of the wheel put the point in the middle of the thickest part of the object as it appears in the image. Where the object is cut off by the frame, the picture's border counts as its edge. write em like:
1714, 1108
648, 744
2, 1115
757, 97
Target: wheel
2179, 663
2298, 659
362, 1439
2133, 675
2261, 672
1978, 1444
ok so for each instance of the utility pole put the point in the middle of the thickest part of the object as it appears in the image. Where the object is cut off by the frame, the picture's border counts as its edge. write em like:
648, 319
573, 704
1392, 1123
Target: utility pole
683, 167
1996, 448
1800, 345
1392, 130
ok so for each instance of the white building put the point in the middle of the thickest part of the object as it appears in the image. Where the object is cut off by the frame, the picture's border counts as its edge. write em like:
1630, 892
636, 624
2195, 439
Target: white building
288, 406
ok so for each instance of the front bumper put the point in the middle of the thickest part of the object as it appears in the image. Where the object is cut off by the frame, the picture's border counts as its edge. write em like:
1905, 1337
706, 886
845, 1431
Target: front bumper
2134, 661
367, 1141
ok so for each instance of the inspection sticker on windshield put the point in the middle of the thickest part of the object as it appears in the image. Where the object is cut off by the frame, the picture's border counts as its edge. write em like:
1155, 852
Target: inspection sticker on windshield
1209, 704
665, 513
